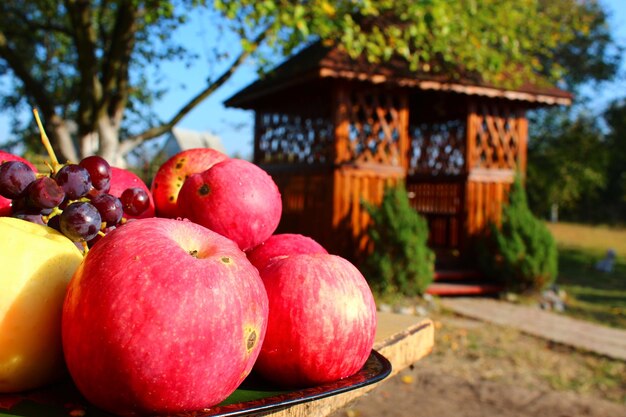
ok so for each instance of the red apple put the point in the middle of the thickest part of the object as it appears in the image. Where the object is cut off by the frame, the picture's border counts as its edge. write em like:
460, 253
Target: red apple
234, 198
281, 245
322, 320
5, 203
171, 175
121, 179
163, 316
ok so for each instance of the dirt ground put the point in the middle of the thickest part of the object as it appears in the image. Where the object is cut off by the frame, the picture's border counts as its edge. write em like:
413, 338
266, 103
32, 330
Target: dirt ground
481, 370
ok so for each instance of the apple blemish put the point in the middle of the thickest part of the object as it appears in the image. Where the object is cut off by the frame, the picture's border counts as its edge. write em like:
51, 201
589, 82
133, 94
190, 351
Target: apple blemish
251, 339
204, 189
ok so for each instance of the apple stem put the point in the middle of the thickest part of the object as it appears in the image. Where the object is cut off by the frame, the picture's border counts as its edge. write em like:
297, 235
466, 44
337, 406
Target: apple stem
46, 143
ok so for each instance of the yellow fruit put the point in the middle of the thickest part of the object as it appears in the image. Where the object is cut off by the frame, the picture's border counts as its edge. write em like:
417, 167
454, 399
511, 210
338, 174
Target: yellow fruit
36, 265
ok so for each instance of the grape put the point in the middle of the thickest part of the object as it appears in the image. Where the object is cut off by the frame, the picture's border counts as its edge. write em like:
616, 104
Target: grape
135, 201
44, 192
99, 171
29, 217
15, 176
109, 207
75, 181
80, 221
21, 204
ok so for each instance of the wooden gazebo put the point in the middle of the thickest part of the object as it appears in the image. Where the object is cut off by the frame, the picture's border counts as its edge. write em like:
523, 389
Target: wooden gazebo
333, 131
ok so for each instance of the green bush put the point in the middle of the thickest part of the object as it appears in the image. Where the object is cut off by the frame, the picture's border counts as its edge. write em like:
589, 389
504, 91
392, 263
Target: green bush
521, 252
400, 262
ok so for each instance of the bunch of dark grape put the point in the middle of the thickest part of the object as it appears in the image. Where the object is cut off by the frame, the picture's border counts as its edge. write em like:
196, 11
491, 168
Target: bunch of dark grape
73, 199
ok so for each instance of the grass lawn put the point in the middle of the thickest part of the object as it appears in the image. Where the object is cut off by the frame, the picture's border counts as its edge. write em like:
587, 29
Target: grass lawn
592, 295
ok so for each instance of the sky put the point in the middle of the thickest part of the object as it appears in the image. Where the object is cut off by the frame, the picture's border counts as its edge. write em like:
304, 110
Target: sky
234, 126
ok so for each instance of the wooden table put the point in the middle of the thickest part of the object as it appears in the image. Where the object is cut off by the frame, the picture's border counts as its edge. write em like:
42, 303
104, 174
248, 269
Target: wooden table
402, 339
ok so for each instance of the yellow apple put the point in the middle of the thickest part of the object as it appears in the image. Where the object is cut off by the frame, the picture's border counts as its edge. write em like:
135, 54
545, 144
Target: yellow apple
36, 265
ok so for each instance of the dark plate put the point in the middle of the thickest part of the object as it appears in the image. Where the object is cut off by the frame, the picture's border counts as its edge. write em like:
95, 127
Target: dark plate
253, 396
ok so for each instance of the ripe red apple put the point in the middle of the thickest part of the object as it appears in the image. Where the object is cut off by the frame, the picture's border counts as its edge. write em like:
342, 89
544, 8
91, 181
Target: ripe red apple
322, 320
281, 245
5, 203
234, 198
173, 173
121, 179
163, 316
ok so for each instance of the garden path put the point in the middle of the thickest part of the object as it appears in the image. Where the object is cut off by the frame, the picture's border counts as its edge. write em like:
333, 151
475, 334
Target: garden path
551, 326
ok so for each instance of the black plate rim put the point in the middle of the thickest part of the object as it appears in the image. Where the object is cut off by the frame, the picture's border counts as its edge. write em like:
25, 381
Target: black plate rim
305, 395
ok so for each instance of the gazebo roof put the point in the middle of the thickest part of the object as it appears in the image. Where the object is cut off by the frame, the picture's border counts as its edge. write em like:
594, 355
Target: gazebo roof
318, 62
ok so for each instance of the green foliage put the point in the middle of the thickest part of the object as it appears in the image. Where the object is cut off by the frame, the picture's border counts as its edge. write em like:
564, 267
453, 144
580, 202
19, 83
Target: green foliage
521, 252
567, 163
487, 37
614, 194
401, 262
577, 160
100, 63
591, 55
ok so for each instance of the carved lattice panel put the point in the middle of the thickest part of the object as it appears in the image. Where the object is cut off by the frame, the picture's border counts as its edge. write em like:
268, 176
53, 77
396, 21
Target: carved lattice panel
497, 141
283, 138
437, 148
374, 128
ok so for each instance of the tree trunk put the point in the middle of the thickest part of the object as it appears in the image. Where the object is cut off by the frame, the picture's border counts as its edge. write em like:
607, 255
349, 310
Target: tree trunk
65, 145
88, 144
109, 137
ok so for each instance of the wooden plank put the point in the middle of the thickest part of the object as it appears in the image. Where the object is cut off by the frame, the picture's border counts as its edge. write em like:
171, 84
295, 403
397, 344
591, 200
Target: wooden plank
349, 74
523, 142
470, 137
341, 123
403, 340
479, 209
404, 138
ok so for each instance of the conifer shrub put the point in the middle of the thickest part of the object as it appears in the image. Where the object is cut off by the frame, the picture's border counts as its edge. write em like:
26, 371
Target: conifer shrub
521, 253
400, 262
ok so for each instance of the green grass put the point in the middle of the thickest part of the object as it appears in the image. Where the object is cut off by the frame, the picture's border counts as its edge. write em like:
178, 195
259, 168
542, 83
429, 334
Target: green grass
592, 295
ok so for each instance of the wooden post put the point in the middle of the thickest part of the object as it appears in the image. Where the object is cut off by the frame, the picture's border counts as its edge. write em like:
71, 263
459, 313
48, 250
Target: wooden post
258, 117
522, 131
470, 137
404, 144
341, 123
340, 202
467, 216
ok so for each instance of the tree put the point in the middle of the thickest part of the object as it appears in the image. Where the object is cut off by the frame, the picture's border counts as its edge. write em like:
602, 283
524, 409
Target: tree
521, 251
567, 163
592, 55
83, 61
400, 263
614, 195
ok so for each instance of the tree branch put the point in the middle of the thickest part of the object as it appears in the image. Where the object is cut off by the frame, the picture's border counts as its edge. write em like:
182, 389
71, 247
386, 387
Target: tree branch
90, 89
133, 141
115, 70
33, 87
